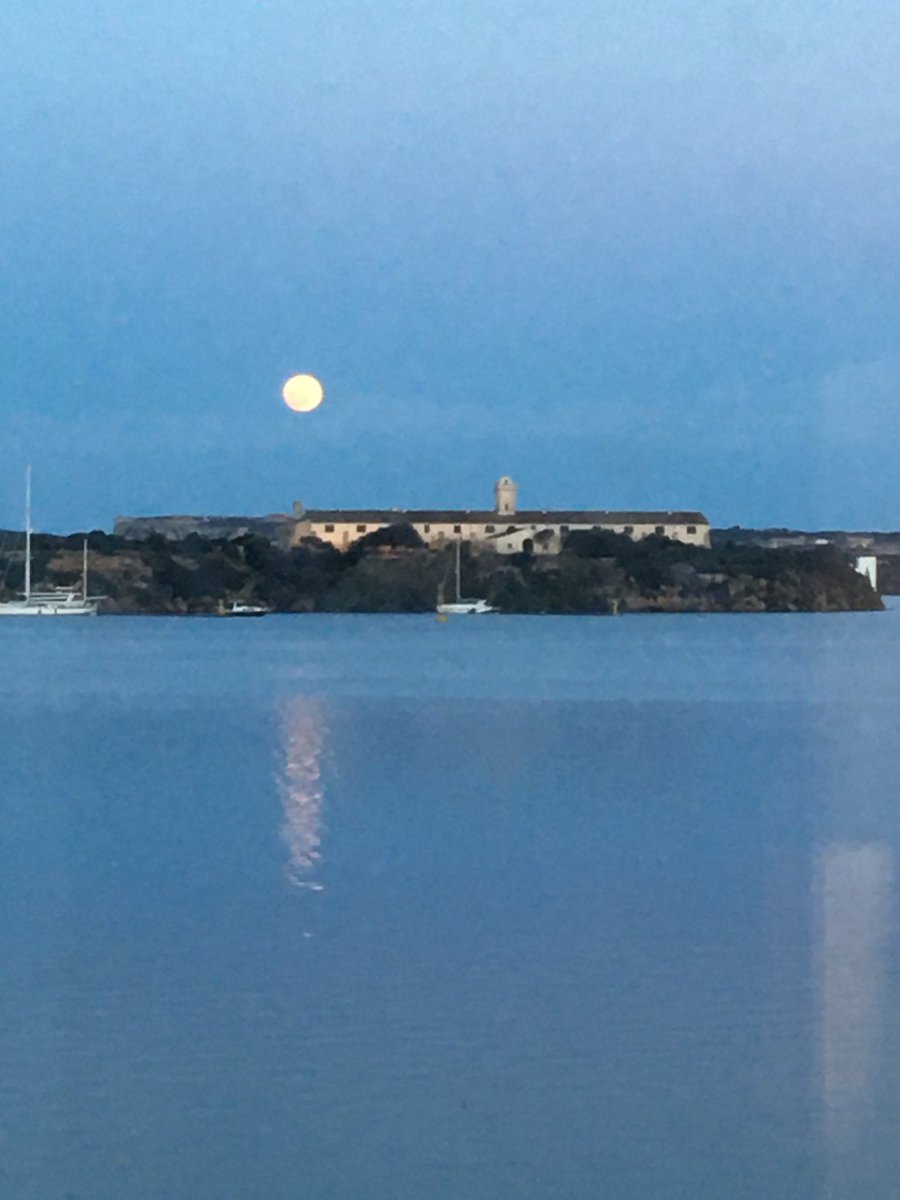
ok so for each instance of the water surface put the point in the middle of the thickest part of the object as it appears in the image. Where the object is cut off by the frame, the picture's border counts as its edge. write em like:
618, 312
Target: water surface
509, 908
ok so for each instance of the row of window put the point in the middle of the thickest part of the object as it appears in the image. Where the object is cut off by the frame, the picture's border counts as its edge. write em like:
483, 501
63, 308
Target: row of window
659, 529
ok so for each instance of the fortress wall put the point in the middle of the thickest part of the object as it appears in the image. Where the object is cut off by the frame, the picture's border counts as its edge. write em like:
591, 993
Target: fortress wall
175, 528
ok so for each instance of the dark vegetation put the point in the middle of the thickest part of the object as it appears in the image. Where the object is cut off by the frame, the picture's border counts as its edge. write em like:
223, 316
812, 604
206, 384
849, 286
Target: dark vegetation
390, 570
889, 575
728, 577
882, 544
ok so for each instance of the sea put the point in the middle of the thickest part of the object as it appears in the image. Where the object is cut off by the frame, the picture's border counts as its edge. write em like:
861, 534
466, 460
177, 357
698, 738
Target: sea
500, 908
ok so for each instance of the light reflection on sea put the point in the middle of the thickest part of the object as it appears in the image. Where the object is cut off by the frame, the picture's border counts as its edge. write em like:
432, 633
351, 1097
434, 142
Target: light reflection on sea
299, 782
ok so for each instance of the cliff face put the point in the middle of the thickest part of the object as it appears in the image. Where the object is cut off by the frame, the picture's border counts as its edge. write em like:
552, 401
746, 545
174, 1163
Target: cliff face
392, 572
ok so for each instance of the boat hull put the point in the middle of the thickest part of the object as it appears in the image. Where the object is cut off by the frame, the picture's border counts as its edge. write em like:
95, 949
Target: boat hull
47, 610
244, 610
465, 608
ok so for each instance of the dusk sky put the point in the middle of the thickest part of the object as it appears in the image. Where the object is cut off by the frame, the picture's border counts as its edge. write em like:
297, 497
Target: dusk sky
641, 253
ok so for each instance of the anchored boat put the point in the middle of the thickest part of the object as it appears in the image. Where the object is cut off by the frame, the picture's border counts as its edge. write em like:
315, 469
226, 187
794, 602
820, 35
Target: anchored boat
244, 610
459, 606
57, 602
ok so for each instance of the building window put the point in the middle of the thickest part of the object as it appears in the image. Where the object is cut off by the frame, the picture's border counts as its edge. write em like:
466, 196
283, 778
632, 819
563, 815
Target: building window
360, 529
628, 529
457, 528
427, 528
329, 529
692, 528
660, 529
488, 529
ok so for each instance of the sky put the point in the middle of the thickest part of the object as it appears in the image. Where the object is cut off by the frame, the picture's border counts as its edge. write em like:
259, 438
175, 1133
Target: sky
636, 255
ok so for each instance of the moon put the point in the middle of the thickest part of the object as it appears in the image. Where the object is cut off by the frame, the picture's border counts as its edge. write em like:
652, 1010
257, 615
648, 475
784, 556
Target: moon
303, 393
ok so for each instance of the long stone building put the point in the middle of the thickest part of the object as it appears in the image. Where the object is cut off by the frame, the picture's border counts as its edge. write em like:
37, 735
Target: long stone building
505, 528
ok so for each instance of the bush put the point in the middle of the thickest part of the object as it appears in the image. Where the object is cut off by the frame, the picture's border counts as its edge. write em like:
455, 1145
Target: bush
397, 536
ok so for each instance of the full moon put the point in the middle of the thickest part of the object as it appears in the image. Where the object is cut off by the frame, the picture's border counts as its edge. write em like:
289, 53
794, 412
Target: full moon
303, 393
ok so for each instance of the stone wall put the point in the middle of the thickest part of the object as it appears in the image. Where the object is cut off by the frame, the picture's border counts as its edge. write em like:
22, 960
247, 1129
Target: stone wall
276, 526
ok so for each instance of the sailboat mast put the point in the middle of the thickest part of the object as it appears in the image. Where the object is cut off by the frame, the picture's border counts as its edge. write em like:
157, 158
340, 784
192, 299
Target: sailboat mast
28, 533
84, 587
458, 590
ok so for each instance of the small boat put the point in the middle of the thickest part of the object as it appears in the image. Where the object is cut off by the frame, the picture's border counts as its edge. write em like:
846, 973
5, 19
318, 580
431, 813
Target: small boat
239, 609
465, 608
462, 607
58, 602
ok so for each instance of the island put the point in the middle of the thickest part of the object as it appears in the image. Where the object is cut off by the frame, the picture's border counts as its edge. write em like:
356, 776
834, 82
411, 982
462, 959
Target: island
393, 570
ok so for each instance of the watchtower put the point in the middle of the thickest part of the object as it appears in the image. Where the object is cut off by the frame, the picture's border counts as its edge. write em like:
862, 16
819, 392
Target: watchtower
505, 492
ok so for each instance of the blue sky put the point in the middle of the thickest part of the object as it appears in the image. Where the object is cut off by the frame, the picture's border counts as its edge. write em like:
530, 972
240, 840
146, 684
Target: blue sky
634, 254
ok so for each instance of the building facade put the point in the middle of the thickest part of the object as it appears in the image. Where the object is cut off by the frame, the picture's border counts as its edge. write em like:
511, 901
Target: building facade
504, 529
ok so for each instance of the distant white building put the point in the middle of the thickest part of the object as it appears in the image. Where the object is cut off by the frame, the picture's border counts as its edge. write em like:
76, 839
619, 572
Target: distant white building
505, 528
867, 564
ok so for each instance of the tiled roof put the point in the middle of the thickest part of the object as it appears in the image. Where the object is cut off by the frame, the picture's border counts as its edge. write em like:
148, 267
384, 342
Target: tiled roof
423, 516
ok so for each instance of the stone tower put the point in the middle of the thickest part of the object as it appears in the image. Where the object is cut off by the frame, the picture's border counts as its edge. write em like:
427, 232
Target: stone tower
505, 491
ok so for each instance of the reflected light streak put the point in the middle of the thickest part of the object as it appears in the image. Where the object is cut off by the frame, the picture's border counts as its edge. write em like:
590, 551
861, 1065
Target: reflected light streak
854, 887
300, 789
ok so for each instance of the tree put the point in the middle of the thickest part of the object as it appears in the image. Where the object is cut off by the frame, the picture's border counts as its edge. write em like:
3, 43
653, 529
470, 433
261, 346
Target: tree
399, 535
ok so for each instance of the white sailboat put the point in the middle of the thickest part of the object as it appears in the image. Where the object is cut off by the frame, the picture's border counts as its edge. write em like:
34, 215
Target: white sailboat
461, 607
58, 602
239, 609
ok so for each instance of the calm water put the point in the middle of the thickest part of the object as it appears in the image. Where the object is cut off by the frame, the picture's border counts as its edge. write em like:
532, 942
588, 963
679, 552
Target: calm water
368, 908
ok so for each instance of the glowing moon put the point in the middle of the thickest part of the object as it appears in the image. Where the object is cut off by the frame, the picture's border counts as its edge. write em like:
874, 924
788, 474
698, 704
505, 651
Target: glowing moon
303, 393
